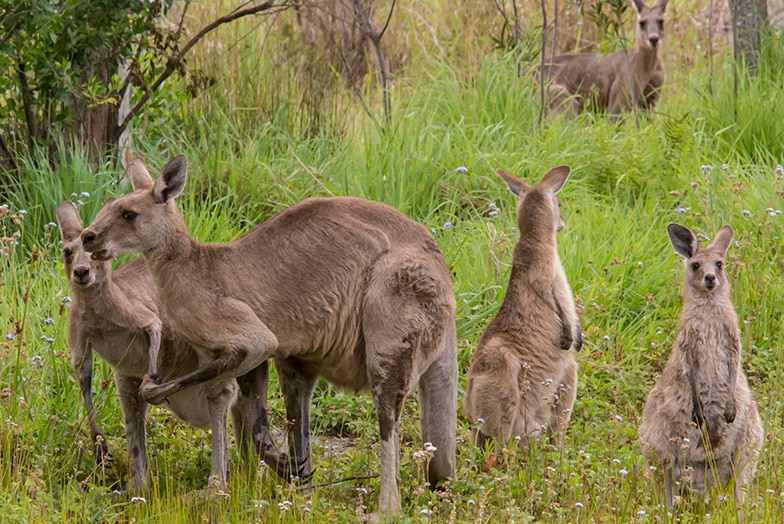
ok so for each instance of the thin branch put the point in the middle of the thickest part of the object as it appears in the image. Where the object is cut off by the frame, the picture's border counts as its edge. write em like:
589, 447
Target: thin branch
365, 24
389, 17
710, 49
555, 32
632, 93
338, 481
171, 64
517, 47
542, 108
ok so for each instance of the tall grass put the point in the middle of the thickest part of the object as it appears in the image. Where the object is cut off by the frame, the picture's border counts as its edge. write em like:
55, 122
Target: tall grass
460, 111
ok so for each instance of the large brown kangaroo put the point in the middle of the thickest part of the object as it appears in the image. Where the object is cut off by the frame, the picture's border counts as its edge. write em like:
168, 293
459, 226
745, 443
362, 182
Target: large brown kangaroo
343, 288
580, 81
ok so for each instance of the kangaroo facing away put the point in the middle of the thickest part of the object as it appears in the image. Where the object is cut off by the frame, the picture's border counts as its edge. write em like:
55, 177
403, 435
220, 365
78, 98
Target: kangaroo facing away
343, 288
701, 417
117, 316
523, 379
580, 81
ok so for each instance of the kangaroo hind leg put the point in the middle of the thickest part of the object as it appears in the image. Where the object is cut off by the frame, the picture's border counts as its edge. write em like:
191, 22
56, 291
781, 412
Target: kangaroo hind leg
408, 311
438, 410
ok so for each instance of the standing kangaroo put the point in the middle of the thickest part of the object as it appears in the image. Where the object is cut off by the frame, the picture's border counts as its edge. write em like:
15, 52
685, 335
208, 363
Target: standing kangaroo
579, 81
523, 378
117, 316
343, 288
701, 414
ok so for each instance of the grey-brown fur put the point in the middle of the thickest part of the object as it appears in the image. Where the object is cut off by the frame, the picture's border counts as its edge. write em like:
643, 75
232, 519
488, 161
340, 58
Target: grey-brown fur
700, 418
581, 81
523, 379
116, 315
343, 288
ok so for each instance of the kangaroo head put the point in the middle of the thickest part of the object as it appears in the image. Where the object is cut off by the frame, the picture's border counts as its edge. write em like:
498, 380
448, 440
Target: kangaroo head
649, 29
704, 266
82, 272
538, 202
141, 220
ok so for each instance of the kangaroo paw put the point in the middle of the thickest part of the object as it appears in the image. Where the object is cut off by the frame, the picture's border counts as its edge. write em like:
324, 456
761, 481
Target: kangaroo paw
153, 393
729, 413
578, 343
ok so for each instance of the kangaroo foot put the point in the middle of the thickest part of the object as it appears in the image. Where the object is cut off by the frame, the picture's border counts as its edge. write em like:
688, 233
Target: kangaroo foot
154, 393
102, 456
290, 468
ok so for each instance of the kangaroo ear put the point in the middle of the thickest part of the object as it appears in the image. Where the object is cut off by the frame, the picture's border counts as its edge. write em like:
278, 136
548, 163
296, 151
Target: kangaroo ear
661, 5
140, 177
172, 179
639, 5
555, 179
518, 186
723, 239
69, 221
683, 240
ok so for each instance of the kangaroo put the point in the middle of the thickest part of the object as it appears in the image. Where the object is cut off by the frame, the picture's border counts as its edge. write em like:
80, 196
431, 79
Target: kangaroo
578, 81
118, 316
523, 378
343, 288
701, 414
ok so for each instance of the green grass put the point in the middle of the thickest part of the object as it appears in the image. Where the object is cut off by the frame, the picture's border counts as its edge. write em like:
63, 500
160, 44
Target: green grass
453, 107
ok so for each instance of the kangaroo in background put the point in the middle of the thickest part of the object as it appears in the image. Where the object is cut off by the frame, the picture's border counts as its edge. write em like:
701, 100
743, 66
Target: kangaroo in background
580, 81
701, 414
523, 379
343, 288
117, 316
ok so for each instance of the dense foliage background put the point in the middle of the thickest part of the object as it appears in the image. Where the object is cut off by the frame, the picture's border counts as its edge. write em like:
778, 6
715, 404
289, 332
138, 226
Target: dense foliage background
289, 106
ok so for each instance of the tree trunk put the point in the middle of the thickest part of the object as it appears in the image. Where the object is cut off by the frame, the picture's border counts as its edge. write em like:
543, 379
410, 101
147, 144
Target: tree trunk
749, 19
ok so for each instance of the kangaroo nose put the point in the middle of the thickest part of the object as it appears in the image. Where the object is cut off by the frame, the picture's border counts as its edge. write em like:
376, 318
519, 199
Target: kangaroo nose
88, 237
710, 281
81, 274
653, 40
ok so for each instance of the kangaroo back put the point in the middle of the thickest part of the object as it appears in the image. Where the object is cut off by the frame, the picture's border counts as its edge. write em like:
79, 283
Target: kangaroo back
521, 381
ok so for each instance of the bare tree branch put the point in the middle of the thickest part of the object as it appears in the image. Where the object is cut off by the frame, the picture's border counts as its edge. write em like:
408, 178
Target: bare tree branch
389, 17
365, 24
172, 63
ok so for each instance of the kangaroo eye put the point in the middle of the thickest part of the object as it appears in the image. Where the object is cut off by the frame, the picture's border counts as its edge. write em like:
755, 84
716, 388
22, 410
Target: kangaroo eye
719, 264
642, 25
660, 23
695, 266
67, 252
129, 215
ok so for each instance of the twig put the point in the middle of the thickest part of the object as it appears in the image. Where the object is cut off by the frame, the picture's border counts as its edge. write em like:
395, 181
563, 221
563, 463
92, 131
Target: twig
710, 48
555, 31
632, 94
338, 481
